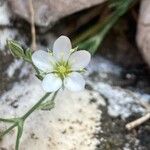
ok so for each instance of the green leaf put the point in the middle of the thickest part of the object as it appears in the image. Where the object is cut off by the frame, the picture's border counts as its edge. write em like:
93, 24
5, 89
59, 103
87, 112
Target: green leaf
93, 37
91, 44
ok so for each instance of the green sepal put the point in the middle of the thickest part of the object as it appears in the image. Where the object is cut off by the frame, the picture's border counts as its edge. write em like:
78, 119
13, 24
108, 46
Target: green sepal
28, 54
18, 52
39, 76
74, 49
47, 105
15, 48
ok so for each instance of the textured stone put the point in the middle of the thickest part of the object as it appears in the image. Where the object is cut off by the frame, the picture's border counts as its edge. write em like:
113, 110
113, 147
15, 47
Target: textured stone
79, 120
143, 33
72, 124
4, 13
49, 11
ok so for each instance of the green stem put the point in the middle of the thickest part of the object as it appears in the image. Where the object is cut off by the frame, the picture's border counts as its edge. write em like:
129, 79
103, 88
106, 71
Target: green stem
7, 120
19, 122
9, 129
17, 141
19, 134
35, 106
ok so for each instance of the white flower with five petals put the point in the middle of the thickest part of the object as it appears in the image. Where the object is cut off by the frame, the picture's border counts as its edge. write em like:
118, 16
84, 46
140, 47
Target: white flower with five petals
62, 67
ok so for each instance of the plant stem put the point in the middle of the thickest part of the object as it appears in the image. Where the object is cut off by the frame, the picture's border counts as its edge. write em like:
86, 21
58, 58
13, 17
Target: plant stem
7, 120
19, 122
19, 134
17, 141
35, 106
9, 129
138, 122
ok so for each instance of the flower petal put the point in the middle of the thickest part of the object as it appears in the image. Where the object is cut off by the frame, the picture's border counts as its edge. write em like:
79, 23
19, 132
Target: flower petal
62, 47
51, 83
79, 59
43, 60
74, 82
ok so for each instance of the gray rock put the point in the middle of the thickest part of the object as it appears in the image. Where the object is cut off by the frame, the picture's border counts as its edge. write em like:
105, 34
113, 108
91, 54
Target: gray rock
4, 13
143, 34
72, 124
79, 120
49, 11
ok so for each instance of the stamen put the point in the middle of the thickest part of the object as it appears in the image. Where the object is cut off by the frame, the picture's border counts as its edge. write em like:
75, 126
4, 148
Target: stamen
62, 69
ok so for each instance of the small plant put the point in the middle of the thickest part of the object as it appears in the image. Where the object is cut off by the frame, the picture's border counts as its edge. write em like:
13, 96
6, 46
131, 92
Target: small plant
93, 36
57, 69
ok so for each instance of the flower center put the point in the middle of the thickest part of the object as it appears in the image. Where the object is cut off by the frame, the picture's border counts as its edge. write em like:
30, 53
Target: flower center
62, 69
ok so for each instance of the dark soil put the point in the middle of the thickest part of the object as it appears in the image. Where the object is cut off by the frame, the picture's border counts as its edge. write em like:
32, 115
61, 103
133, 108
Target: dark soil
114, 136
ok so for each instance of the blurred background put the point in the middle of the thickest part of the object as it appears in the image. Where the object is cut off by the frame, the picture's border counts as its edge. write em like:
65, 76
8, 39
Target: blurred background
117, 33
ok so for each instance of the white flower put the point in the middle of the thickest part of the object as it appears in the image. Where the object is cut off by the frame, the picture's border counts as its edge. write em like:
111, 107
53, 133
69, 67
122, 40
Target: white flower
62, 67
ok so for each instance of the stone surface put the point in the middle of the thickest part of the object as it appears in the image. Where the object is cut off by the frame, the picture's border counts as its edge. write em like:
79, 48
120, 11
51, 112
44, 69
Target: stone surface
72, 124
83, 120
49, 11
6, 34
4, 13
89, 120
143, 33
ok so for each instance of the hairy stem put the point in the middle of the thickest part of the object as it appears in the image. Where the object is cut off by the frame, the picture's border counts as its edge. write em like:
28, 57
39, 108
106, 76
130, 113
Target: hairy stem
35, 106
7, 120
9, 129
19, 134
17, 141
19, 122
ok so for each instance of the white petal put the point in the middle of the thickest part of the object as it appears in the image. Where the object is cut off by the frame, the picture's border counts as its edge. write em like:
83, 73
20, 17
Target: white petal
51, 83
79, 59
43, 60
74, 82
62, 47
